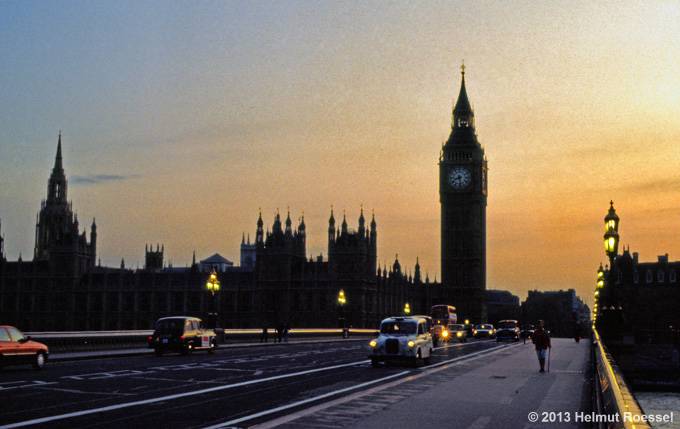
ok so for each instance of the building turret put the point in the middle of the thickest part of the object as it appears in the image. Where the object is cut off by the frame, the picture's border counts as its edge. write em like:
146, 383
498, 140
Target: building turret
289, 225
416, 275
396, 266
2, 244
331, 228
93, 239
259, 235
343, 226
362, 223
276, 227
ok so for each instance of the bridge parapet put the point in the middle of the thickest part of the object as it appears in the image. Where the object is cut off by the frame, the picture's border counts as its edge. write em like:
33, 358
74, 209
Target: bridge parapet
85, 341
612, 394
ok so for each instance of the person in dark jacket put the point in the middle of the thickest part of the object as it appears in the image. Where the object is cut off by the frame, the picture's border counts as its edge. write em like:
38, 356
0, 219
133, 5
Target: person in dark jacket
542, 341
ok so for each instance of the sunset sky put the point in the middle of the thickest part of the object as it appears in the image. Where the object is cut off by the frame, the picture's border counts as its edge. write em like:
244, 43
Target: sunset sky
181, 119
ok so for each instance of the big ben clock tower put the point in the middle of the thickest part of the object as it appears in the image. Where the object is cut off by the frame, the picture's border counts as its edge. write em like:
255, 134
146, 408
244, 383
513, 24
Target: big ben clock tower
463, 194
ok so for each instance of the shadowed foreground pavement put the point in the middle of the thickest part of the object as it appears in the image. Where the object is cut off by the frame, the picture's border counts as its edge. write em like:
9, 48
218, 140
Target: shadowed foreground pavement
497, 391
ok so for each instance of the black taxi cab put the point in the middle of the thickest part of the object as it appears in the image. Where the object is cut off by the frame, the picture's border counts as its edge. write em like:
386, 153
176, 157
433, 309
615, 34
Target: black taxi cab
181, 334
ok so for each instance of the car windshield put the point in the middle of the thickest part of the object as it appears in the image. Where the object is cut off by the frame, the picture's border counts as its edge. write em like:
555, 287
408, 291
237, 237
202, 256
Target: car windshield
457, 327
484, 327
507, 325
170, 326
400, 327
15, 334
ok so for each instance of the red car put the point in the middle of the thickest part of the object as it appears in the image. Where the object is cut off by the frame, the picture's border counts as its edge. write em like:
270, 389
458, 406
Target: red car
16, 348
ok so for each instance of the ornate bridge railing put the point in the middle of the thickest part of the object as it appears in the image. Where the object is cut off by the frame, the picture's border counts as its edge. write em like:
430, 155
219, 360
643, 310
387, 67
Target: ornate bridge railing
612, 394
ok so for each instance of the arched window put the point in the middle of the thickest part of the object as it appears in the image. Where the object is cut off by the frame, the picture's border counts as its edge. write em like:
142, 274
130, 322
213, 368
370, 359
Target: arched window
636, 277
660, 276
673, 277
650, 276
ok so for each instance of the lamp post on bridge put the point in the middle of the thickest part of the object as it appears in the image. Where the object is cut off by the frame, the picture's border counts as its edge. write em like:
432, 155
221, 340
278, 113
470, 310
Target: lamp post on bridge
605, 280
342, 300
213, 286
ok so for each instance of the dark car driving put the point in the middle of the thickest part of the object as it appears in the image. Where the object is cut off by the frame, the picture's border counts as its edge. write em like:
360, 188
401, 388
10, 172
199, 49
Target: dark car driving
507, 330
181, 334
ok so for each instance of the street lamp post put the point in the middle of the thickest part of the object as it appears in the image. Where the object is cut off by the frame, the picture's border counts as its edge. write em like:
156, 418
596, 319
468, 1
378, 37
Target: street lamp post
611, 248
342, 300
213, 286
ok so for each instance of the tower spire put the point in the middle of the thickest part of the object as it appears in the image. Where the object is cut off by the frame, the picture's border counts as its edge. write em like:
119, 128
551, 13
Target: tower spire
462, 112
58, 165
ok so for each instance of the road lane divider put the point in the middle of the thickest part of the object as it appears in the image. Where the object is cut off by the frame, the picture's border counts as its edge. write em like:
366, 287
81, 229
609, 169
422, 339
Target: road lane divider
408, 376
81, 413
305, 401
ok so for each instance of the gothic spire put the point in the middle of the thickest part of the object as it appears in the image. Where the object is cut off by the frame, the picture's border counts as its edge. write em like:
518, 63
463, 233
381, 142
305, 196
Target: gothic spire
463, 104
58, 165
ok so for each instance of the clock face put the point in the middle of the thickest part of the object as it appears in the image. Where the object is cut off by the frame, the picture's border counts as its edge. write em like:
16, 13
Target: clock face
460, 177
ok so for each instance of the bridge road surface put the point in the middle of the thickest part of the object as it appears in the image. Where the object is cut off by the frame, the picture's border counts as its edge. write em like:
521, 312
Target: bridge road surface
497, 392
237, 386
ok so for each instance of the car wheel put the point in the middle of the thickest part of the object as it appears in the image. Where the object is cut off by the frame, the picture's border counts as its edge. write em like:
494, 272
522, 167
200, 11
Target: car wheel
40, 360
158, 351
187, 349
375, 363
212, 348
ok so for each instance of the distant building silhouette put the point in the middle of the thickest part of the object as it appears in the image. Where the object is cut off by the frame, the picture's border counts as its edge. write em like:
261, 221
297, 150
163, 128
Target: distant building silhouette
63, 288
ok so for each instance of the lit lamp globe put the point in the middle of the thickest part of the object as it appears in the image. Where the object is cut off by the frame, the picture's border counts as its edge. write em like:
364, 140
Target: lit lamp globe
611, 243
213, 285
611, 221
342, 300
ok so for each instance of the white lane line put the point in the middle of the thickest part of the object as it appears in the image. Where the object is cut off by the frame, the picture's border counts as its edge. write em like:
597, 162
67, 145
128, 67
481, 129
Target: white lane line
411, 376
482, 352
36, 383
171, 397
305, 401
459, 345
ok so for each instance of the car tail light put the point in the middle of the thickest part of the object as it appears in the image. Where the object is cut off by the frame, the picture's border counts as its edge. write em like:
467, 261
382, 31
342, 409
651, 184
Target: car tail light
181, 337
149, 339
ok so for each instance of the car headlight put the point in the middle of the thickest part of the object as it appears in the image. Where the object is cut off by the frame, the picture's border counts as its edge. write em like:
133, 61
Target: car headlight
459, 334
411, 344
474, 331
445, 333
373, 344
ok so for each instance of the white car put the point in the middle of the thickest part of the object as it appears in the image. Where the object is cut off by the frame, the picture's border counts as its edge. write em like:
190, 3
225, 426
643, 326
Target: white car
403, 338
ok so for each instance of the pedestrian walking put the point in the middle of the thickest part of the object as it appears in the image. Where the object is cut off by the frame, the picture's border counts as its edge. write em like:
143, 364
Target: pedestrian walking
265, 335
279, 332
285, 332
541, 339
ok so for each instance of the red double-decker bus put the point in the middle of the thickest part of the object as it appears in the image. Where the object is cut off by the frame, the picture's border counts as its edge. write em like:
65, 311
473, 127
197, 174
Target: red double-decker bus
442, 317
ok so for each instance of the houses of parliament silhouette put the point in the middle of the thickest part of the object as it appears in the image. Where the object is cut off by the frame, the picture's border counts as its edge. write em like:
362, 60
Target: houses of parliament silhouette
64, 288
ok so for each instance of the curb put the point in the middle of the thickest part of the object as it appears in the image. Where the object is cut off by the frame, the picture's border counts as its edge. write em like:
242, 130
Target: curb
106, 354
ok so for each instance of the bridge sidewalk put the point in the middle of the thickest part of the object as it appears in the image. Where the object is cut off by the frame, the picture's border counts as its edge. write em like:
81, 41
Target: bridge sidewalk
499, 394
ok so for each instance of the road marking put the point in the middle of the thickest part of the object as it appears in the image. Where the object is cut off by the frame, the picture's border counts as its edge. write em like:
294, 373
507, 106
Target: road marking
411, 376
482, 352
110, 374
459, 345
17, 384
304, 401
175, 396
58, 389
